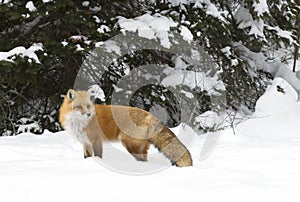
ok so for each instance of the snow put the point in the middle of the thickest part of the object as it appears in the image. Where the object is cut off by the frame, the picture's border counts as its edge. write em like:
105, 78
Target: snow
282, 33
260, 163
150, 27
209, 7
85, 3
176, 77
97, 20
277, 69
187, 94
208, 119
30, 6
257, 28
22, 52
64, 43
261, 7
27, 127
79, 48
186, 34
213, 11
110, 46
178, 2
46, 1
4, 1
97, 92
226, 50
276, 107
244, 20
117, 89
95, 9
103, 28
179, 75
78, 38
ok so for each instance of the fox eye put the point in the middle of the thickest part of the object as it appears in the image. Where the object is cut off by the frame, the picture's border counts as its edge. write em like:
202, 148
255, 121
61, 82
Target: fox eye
88, 106
78, 107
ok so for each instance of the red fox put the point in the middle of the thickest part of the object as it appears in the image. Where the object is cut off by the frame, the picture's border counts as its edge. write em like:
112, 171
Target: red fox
135, 128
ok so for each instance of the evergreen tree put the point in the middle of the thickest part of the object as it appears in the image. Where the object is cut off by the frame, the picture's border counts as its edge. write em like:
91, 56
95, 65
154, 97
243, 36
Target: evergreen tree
61, 35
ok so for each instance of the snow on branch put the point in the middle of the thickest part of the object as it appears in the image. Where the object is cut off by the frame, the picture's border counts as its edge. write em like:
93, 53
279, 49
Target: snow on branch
4, 1
282, 33
23, 52
30, 6
155, 27
261, 7
210, 8
244, 20
180, 75
150, 27
257, 26
277, 69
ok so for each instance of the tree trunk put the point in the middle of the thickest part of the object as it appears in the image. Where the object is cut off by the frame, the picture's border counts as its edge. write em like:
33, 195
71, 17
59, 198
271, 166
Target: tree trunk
296, 56
296, 53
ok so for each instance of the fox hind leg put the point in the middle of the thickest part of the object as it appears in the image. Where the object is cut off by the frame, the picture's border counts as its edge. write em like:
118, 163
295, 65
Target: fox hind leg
97, 148
138, 148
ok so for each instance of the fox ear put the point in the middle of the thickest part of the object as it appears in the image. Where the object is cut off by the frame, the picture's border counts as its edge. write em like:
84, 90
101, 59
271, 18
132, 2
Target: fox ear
71, 94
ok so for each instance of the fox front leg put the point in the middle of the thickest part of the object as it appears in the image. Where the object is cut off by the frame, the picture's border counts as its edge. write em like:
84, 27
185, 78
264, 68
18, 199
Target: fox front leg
88, 150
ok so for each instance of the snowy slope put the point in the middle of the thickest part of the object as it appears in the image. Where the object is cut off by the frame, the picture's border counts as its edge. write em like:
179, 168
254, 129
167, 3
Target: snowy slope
260, 163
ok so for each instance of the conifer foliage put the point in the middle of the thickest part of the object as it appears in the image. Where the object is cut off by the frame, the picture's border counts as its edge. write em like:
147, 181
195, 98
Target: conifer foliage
43, 44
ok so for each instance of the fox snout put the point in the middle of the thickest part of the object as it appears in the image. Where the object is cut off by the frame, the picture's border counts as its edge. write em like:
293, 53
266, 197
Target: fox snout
87, 116
87, 113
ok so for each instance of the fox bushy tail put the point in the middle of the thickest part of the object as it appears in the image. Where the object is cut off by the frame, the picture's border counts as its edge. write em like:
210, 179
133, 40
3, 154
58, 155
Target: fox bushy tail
167, 143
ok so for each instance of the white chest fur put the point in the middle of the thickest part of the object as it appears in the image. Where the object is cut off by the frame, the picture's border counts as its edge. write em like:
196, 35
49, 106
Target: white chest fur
75, 124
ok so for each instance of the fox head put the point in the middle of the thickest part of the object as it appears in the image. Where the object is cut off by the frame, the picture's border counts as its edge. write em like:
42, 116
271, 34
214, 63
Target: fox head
80, 104
76, 112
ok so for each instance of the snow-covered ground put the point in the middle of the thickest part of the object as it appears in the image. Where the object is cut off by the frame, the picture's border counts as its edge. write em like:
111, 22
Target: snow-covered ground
261, 162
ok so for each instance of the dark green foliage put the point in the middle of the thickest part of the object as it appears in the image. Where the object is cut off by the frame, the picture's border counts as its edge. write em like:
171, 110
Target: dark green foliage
159, 101
33, 90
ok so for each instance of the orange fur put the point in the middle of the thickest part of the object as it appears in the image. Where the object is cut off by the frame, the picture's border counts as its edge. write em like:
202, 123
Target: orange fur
134, 127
